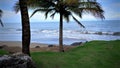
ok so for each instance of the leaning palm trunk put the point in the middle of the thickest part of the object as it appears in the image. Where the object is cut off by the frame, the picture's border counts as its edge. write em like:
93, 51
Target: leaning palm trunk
1, 12
1, 23
61, 33
25, 27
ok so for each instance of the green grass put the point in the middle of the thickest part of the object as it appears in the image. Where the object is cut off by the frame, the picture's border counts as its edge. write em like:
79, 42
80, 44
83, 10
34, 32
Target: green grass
94, 54
3, 52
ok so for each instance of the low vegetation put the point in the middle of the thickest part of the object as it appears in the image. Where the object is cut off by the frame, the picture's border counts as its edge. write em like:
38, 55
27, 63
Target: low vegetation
94, 54
3, 52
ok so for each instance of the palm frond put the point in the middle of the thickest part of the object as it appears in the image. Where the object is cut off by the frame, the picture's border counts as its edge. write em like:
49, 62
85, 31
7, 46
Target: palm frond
1, 23
77, 11
48, 11
71, 3
66, 15
1, 12
47, 3
38, 10
33, 3
98, 13
88, 6
78, 22
40, 3
17, 7
92, 7
52, 15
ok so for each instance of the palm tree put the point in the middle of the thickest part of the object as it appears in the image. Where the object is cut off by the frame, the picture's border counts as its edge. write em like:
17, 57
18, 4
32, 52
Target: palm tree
0, 17
67, 8
25, 25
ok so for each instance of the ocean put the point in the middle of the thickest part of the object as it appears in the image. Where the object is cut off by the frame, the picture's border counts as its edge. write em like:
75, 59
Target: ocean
48, 32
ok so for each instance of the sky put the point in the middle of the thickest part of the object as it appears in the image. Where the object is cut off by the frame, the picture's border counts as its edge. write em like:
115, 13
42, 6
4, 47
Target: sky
111, 8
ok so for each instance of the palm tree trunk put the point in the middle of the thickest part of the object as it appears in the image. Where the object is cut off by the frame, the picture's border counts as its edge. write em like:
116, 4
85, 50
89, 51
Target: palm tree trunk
61, 34
1, 12
1, 23
25, 27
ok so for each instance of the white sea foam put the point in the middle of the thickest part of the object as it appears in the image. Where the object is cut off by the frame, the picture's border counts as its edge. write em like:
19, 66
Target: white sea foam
75, 32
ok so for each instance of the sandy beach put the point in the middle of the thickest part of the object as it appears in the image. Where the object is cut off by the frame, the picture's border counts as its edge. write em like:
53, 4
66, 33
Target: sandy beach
16, 46
19, 44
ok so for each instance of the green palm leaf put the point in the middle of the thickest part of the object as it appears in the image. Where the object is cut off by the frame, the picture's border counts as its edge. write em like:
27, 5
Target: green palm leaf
52, 15
40, 3
78, 22
66, 15
1, 23
1, 12
38, 10
48, 11
17, 7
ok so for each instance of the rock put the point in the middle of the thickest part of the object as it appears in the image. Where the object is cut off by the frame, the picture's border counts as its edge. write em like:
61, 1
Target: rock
16, 61
37, 47
99, 33
3, 46
50, 45
116, 33
76, 43
86, 42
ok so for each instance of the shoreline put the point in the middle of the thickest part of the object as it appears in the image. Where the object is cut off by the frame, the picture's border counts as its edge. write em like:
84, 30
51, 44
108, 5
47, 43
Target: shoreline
16, 46
19, 44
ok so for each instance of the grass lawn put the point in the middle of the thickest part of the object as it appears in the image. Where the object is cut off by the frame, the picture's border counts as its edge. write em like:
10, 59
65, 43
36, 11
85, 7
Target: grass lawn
3, 52
94, 54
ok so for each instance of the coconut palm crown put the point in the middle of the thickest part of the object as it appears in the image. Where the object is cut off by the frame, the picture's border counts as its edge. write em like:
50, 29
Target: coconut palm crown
67, 8
1, 12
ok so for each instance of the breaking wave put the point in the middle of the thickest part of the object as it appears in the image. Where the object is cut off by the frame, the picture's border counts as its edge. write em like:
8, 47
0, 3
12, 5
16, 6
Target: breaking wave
76, 32
37, 31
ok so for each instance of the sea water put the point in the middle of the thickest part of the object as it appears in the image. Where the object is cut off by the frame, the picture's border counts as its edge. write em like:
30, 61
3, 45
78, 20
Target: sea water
48, 32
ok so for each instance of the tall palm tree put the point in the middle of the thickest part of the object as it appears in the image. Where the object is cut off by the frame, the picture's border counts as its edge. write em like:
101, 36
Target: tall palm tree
1, 12
67, 8
25, 25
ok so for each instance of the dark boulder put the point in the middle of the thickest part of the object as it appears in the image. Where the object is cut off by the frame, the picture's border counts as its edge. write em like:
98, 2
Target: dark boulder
3, 46
16, 61
50, 45
76, 44
37, 47
116, 33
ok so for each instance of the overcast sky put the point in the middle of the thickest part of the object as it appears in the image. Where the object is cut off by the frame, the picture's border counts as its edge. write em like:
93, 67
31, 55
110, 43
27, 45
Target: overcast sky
111, 8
